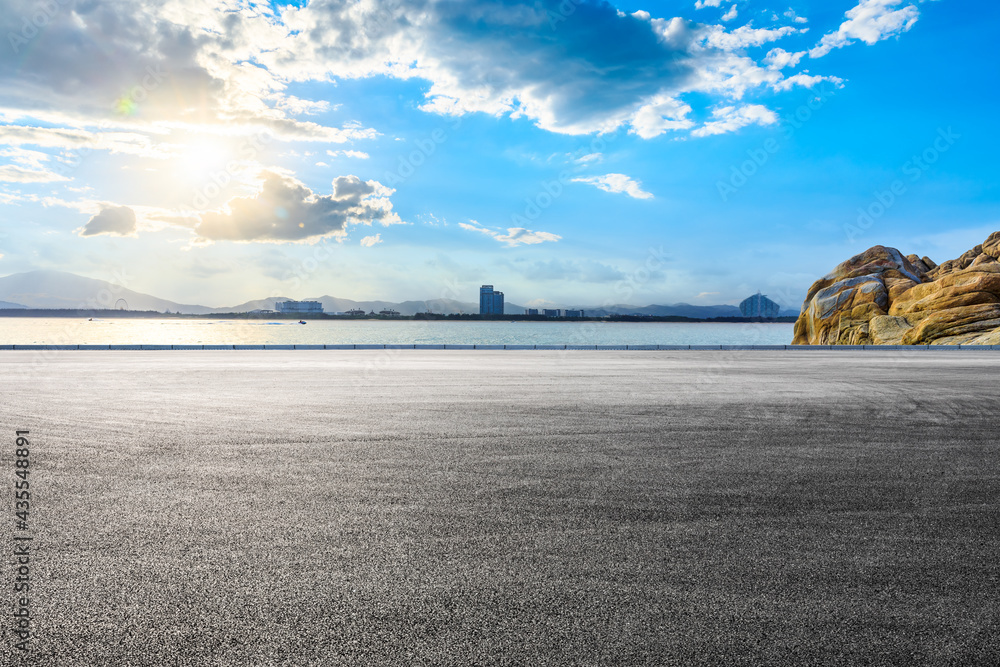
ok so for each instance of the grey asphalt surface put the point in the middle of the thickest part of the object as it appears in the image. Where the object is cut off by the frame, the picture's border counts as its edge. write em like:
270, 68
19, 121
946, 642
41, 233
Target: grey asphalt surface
539, 508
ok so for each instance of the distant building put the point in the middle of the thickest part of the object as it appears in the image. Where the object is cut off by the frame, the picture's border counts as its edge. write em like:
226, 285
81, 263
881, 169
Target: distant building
551, 312
389, 313
573, 313
531, 311
357, 312
759, 305
490, 301
309, 307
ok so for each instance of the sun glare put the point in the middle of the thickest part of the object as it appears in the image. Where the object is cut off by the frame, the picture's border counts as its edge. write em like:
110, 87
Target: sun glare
204, 161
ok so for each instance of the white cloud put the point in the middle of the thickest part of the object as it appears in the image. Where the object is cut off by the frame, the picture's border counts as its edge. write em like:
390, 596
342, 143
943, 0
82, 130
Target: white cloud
128, 77
284, 210
590, 157
113, 221
300, 107
660, 115
515, 236
503, 58
128, 143
30, 159
360, 155
14, 174
806, 81
617, 183
745, 36
780, 59
730, 119
369, 241
180, 68
790, 14
870, 21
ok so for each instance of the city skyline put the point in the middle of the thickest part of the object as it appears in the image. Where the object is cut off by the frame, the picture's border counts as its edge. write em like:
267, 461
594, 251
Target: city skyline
576, 152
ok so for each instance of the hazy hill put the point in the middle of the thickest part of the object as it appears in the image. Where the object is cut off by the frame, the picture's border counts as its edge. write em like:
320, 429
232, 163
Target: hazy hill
60, 289
677, 309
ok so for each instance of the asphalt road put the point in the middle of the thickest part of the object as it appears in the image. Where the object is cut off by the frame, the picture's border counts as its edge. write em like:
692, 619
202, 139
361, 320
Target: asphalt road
508, 508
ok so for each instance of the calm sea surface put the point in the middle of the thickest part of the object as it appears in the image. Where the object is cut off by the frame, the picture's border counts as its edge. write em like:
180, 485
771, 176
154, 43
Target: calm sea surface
62, 331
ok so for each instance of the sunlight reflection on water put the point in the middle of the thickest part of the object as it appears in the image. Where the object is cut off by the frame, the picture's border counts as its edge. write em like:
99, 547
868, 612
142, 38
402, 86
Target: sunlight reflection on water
55, 331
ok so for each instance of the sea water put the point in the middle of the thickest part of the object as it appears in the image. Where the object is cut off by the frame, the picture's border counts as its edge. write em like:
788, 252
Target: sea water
122, 331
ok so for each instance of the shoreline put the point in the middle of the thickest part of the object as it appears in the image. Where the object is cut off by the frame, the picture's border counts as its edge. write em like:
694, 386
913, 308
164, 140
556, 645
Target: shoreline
42, 313
415, 346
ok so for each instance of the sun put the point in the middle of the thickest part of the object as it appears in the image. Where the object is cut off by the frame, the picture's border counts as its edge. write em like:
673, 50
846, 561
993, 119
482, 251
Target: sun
201, 157
208, 162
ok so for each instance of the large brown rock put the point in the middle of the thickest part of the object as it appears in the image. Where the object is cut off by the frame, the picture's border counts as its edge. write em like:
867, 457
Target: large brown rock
881, 297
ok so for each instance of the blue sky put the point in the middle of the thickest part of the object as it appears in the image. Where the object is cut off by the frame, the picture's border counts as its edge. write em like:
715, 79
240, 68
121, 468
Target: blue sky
568, 152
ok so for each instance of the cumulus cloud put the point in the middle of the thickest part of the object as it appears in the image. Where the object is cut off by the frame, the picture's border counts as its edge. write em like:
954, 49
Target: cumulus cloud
112, 220
731, 118
527, 60
286, 210
780, 59
126, 76
660, 115
136, 77
870, 21
369, 241
617, 183
730, 15
515, 236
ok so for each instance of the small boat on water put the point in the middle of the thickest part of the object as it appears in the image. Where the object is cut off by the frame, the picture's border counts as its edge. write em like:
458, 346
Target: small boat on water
302, 321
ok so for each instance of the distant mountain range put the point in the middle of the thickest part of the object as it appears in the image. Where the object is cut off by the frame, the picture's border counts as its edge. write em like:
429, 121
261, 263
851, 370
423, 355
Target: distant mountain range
59, 289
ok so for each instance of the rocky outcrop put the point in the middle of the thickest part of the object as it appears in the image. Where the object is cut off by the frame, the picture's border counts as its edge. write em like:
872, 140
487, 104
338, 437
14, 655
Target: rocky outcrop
882, 297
